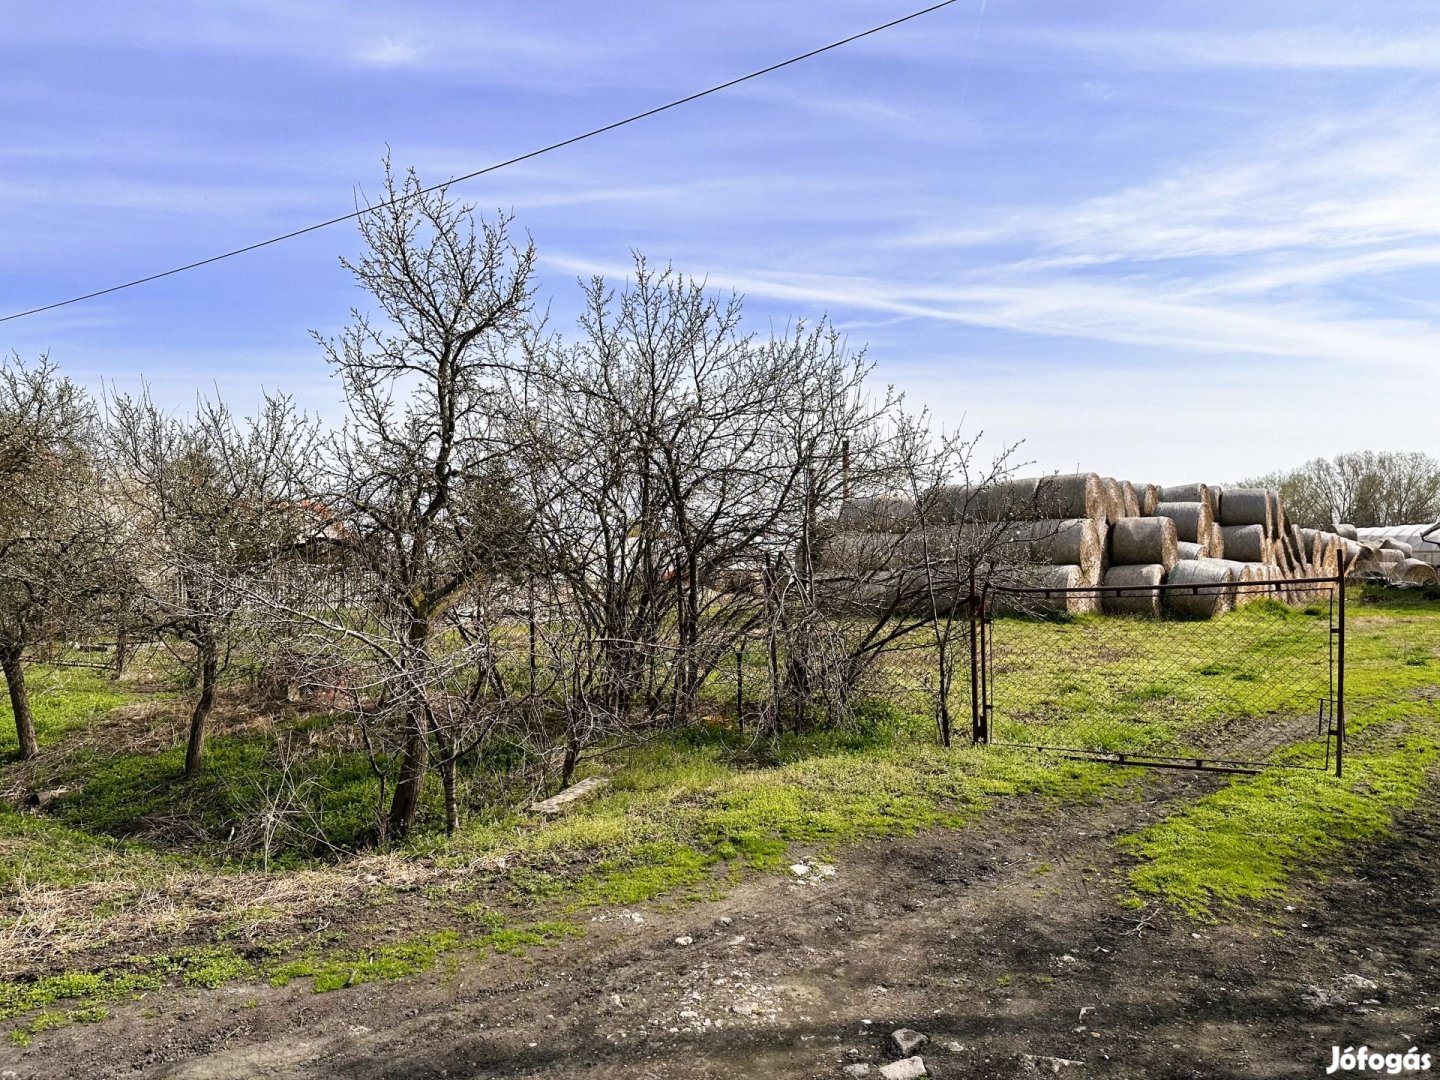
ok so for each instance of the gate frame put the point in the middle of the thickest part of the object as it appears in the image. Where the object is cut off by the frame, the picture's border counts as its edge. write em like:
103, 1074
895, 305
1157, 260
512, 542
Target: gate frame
982, 654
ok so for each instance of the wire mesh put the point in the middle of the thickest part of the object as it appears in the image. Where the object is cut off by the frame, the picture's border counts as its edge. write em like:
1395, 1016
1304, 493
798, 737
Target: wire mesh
1231, 675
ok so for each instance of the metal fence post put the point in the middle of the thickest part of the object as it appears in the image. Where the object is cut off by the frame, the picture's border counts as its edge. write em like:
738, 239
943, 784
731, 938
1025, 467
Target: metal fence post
977, 722
1340, 680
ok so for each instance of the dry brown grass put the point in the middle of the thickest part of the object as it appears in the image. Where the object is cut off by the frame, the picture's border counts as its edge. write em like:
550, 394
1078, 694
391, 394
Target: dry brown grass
49, 928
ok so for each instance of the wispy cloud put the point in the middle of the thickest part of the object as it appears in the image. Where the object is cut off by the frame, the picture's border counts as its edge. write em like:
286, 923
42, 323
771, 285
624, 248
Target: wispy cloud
1323, 48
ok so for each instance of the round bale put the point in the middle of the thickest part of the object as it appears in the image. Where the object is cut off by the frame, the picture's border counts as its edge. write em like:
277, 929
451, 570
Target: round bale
1247, 506
1184, 550
1215, 542
1144, 540
1132, 499
1192, 520
1073, 495
1007, 500
1149, 499
1184, 493
1072, 541
1114, 499
877, 513
1277, 513
1412, 572
863, 552
1245, 543
1063, 601
1141, 585
1253, 572
1210, 590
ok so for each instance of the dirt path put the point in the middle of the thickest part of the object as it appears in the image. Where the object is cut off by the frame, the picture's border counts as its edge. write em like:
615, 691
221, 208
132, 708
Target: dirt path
997, 941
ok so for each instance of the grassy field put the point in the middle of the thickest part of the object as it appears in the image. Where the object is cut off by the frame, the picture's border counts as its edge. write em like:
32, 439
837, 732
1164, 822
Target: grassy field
134, 879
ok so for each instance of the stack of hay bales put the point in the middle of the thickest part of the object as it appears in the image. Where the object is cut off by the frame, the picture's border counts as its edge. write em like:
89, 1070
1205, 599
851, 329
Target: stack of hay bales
1123, 540
1386, 560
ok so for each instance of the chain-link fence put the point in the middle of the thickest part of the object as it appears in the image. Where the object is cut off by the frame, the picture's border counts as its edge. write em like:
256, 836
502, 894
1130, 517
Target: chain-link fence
1235, 675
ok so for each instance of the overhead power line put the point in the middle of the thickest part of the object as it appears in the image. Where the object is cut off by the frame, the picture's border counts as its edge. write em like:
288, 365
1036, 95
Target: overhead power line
592, 133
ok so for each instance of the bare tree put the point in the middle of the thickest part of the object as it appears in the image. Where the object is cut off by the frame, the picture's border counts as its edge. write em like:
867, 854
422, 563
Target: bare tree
1365, 488
417, 476
54, 532
209, 503
678, 465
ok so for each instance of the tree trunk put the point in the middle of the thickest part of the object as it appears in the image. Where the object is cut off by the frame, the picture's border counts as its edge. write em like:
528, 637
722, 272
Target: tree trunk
122, 644
20, 702
209, 674
406, 803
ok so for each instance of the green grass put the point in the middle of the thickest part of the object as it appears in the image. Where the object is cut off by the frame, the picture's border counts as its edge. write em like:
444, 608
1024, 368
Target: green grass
1248, 841
693, 811
62, 700
682, 811
1132, 686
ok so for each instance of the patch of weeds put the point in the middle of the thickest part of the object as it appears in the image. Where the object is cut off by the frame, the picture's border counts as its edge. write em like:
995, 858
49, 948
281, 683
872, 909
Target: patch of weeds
213, 967
1150, 692
349, 968
538, 935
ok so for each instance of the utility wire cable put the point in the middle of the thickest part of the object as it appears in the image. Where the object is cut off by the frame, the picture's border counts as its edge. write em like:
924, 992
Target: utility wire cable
728, 84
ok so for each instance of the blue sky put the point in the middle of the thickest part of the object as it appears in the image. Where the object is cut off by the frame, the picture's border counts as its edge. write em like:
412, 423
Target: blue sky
1162, 240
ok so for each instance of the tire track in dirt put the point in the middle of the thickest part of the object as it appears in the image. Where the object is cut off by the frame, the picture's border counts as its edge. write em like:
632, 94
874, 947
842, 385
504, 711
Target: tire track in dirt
997, 940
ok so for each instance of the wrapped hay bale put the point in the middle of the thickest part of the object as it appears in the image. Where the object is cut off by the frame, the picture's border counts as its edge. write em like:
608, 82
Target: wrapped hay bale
877, 513
1142, 541
1114, 499
1061, 601
1253, 572
1247, 506
1389, 556
1185, 550
1245, 543
863, 552
1412, 572
1188, 493
1295, 548
1192, 520
1214, 542
1349, 551
1345, 530
1210, 591
1389, 544
1149, 499
1277, 514
1142, 590
1072, 541
1074, 495
1008, 500
1131, 498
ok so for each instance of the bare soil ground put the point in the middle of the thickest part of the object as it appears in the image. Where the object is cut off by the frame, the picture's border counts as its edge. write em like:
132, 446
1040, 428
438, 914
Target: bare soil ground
998, 941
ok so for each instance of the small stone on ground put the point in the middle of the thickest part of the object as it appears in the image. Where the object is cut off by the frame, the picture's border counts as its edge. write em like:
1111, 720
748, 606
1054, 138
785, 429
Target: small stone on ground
911, 1068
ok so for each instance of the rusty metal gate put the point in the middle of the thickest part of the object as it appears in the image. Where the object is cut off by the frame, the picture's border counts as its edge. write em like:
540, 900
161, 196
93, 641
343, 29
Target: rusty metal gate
1235, 676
